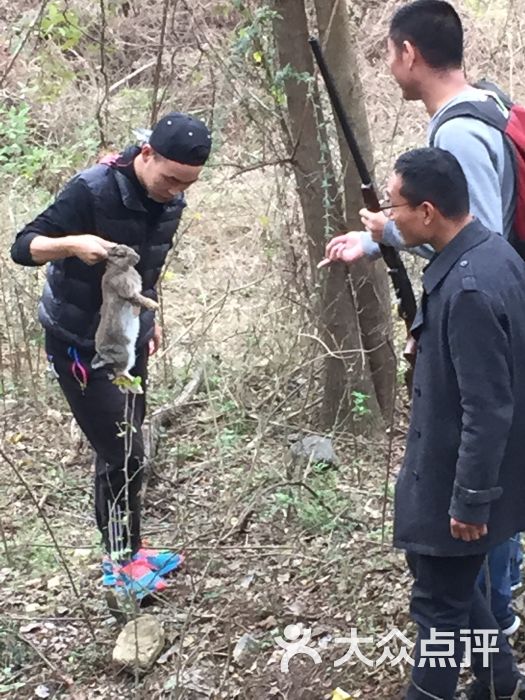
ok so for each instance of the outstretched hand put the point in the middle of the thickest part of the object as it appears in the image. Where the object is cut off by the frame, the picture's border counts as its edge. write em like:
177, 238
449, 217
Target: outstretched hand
346, 248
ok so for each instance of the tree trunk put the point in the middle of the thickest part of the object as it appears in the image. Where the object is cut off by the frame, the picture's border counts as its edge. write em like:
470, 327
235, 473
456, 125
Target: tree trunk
369, 281
339, 323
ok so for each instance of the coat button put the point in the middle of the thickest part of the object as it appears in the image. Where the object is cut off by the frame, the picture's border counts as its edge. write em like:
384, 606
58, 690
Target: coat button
418, 433
464, 263
417, 391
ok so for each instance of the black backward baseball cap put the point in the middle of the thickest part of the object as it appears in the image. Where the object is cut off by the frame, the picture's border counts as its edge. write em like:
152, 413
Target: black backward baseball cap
182, 138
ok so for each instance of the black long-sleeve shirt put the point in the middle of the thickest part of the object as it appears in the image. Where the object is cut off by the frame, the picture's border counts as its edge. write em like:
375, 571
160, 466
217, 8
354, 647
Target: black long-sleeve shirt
72, 212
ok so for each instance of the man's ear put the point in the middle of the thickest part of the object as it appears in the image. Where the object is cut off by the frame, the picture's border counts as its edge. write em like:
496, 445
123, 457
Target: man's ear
410, 52
147, 151
429, 213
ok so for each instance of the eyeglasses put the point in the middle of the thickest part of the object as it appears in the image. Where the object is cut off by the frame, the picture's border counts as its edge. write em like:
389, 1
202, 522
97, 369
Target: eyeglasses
387, 208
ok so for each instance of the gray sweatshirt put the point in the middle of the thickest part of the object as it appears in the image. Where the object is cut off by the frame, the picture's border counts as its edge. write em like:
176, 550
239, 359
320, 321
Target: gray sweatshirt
487, 163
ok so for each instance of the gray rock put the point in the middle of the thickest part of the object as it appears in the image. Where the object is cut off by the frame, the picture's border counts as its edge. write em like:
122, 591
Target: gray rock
314, 448
139, 643
244, 650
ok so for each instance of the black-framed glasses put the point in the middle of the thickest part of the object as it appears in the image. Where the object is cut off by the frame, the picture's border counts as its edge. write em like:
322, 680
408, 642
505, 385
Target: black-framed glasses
387, 208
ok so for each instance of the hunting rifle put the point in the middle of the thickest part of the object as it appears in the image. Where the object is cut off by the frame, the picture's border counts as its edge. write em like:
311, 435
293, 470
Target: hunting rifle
406, 302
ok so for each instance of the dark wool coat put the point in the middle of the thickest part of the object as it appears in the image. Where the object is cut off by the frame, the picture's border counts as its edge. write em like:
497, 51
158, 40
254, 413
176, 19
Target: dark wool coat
465, 454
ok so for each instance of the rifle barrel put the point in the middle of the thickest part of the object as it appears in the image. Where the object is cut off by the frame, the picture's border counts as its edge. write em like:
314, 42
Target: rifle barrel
340, 112
405, 295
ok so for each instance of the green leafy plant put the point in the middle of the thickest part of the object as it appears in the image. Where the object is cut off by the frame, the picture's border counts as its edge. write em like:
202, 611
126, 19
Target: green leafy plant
320, 513
258, 26
61, 26
22, 154
360, 408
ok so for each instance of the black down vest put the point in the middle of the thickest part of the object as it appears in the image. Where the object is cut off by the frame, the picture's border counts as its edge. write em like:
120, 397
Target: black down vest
72, 296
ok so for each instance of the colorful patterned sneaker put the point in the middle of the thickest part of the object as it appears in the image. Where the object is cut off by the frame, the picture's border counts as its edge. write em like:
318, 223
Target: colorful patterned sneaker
135, 578
161, 561
109, 572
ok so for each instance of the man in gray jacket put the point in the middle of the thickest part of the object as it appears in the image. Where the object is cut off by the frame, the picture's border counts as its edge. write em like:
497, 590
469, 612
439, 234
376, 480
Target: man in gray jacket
425, 56
425, 53
461, 489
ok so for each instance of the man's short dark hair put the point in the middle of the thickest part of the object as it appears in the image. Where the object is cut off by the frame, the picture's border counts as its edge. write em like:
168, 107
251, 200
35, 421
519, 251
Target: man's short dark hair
434, 28
434, 175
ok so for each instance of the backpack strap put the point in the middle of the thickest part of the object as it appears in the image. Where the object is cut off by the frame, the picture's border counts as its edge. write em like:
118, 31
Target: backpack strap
494, 91
488, 111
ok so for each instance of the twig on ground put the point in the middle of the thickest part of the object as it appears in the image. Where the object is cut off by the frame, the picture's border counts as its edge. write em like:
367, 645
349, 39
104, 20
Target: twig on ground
75, 694
49, 529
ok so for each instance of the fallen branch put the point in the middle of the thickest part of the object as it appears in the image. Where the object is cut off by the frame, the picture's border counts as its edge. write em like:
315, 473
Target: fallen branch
161, 418
165, 414
113, 88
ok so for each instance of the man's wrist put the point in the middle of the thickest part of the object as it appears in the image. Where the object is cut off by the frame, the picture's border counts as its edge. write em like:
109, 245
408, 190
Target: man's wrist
70, 246
370, 248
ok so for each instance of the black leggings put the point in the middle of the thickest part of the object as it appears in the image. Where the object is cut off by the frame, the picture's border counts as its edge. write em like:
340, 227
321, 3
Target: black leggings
105, 416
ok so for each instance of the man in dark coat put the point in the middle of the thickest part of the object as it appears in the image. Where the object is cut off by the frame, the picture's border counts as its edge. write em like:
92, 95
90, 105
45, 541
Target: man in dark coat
135, 198
425, 57
462, 485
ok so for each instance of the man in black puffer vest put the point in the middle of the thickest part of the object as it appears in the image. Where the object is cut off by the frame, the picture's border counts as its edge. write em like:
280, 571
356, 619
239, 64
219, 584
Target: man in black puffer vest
134, 198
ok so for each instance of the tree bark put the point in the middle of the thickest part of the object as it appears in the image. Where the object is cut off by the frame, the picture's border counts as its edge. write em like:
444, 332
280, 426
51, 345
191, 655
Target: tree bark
369, 280
346, 368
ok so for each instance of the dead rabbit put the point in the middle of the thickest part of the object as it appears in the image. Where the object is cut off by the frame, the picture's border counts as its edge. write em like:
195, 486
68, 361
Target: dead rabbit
118, 328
